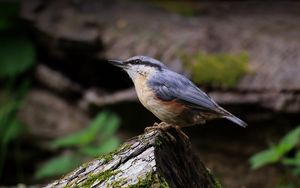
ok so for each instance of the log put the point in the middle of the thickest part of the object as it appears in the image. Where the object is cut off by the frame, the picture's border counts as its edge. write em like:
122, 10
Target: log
41, 113
154, 159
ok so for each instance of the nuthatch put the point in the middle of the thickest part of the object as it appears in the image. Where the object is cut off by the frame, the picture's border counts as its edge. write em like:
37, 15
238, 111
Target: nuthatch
170, 96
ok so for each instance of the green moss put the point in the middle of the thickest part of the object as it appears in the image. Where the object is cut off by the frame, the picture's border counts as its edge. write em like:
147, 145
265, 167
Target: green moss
183, 8
117, 184
214, 180
158, 142
75, 186
217, 70
68, 186
125, 147
98, 177
163, 183
107, 157
150, 181
217, 184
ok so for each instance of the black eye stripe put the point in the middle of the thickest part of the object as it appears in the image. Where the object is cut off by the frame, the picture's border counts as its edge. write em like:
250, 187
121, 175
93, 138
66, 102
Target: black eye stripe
146, 63
133, 62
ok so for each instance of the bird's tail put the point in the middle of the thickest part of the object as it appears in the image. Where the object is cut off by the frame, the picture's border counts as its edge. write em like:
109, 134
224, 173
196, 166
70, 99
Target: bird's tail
232, 118
236, 120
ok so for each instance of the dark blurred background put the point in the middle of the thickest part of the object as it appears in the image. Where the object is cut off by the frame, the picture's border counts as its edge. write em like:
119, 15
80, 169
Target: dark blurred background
62, 104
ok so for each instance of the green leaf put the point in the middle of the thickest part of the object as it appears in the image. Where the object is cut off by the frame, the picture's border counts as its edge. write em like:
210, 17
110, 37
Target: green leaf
105, 147
98, 123
9, 105
289, 141
275, 153
14, 129
111, 125
83, 137
291, 161
74, 139
7, 117
6, 111
263, 158
57, 166
296, 171
17, 55
295, 161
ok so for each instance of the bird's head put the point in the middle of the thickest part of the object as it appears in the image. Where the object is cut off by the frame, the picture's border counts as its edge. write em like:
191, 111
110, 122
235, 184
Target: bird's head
139, 65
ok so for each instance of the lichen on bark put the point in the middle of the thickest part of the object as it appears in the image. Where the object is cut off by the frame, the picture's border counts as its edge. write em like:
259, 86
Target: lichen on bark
153, 159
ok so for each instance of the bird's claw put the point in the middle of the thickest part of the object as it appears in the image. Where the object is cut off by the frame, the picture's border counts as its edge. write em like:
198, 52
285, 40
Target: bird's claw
181, 133
158, 126
163, 126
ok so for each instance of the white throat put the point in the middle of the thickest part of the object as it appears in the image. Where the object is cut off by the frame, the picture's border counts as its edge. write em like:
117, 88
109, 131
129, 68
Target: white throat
138, 70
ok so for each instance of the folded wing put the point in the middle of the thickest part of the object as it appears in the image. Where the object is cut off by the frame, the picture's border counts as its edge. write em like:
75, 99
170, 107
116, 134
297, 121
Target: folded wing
173, 86
170, 86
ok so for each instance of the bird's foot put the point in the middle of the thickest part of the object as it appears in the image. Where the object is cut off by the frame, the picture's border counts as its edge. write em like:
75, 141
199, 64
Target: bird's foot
181, 133
158, 126
163, 126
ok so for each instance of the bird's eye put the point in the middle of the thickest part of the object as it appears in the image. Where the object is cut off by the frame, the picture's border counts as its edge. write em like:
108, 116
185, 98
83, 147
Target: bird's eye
134, 62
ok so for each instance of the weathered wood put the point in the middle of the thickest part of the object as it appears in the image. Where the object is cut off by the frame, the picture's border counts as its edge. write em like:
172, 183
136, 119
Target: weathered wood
92, 98
153, 159
56, 81
42, 114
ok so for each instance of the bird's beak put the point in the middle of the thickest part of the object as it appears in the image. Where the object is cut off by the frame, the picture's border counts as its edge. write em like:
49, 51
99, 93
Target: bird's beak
117, 63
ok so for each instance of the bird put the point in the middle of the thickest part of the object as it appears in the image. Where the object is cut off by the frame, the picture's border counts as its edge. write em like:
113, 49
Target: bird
170, 96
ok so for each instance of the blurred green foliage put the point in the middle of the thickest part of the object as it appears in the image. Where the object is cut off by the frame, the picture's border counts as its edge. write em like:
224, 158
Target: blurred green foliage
217, 70
277, 154
58, 166
98, 138
17, 52
17, 55
8, 14
10, 127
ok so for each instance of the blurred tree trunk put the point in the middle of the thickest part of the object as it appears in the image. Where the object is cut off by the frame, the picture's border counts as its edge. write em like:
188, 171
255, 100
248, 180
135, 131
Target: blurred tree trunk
153, 159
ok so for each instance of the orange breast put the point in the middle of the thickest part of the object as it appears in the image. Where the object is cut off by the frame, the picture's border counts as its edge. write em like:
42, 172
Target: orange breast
167, 111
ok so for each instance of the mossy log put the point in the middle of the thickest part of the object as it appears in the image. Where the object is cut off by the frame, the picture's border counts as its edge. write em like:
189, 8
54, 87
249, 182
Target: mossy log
153, 159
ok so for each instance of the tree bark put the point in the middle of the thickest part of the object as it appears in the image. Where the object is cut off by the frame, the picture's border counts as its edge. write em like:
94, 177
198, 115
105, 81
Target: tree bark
153, 159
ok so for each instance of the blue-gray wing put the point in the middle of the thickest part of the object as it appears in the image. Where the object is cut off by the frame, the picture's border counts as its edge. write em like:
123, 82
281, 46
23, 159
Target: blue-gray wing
172, 86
